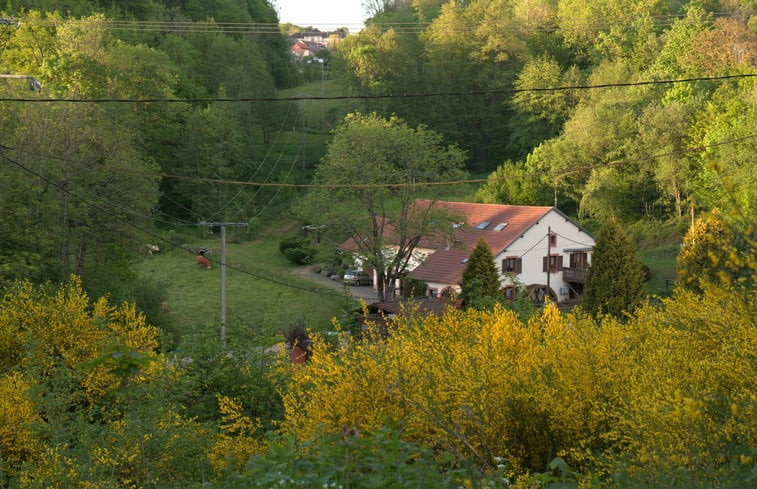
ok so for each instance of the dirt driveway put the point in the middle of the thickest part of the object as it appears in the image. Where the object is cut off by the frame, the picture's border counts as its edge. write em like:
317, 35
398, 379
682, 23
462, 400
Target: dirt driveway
365, 292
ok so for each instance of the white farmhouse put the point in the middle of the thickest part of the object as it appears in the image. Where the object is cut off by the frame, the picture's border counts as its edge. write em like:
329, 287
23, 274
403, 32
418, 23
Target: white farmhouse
533, 246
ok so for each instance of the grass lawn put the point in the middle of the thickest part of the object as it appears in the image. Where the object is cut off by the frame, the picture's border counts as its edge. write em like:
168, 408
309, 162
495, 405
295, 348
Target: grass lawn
662, 265
263, 292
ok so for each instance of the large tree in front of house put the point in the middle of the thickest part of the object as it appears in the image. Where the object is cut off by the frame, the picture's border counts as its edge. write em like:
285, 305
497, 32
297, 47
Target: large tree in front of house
615, 280
481, 286
368, 181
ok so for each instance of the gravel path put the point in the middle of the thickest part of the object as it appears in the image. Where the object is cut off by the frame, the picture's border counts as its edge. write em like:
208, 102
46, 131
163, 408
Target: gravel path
357, 291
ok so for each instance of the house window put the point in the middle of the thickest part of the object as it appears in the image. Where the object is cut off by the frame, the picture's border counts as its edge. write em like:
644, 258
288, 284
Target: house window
579, 260
512, 264
432, 292
552, 239
554, 262
511, 293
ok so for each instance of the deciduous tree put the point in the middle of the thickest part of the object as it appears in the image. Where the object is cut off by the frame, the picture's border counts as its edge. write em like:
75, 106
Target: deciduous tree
378, 168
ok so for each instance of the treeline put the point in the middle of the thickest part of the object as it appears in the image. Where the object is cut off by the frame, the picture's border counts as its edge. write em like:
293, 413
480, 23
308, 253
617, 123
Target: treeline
634, 152
81, 181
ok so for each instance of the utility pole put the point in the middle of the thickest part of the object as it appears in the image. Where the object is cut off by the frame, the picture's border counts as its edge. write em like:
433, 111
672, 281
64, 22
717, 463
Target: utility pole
302, 143
223, 226
323, 62
549, 256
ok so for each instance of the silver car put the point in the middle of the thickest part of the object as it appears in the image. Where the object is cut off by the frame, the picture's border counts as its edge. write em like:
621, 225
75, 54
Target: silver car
357, 277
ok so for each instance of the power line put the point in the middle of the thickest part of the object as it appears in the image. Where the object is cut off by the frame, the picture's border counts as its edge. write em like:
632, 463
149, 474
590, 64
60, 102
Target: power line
572, 240
284, 121
410, 27
508, 91
99, 208
151, 218
566, 171
358, 186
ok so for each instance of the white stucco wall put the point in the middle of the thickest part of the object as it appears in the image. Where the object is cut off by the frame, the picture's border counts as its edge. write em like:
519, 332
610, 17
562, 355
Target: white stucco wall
531, 247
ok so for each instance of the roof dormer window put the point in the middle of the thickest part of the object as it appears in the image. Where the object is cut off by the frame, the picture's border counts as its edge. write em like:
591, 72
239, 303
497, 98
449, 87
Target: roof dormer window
500, 226
482, 225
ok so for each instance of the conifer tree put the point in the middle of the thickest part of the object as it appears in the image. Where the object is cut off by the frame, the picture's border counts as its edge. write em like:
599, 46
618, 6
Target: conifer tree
615, 280
481, 286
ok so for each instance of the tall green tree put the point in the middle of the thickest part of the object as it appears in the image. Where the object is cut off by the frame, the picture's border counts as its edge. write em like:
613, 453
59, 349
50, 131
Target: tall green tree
82, 180
615, 280
510, 183
378, 169
664, 130
481, 286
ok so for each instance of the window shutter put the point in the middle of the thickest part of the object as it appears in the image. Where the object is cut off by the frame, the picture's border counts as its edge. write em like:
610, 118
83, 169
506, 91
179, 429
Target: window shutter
518, 265
545, 264
559, 263
504, 265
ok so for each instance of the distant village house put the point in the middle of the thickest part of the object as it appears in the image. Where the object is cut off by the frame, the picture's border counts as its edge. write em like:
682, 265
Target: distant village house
307, 43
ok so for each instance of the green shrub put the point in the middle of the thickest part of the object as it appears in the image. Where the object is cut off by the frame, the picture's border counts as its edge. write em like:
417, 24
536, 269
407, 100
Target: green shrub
301, 256
351, 459
298, 250
414, 288
293, 242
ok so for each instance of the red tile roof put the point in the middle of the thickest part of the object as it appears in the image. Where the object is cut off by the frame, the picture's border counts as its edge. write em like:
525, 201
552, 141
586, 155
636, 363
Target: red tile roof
445, 265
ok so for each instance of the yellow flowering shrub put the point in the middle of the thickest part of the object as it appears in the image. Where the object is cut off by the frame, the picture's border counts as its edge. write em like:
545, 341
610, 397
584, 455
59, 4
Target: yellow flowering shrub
237, 441
692, 399
671, 388
16, 440
128, 324
54, 471
48, 339
57, 324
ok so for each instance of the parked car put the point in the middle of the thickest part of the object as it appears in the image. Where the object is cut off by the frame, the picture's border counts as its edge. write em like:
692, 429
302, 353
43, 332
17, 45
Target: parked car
357, 277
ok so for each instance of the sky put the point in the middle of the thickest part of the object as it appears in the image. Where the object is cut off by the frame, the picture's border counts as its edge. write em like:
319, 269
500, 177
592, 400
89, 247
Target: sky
323, 14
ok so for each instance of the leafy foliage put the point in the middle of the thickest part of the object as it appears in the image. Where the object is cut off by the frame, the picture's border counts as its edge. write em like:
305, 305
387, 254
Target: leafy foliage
702, 252
357, 460
86, 399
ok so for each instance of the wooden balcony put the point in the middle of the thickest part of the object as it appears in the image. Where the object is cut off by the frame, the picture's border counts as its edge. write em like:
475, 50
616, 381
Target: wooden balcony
576, 275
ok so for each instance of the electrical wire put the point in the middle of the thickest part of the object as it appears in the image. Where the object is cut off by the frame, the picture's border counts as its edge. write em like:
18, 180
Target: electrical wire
509, 91
257, 169
532, 247
99, 208
572, 240
564, 172
276, 193
409, 27
151, 218
286, 178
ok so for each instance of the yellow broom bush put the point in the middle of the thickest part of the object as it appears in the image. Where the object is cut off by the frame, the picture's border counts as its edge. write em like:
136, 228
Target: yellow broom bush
57, 383
16, 412
236, 442
672, 388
